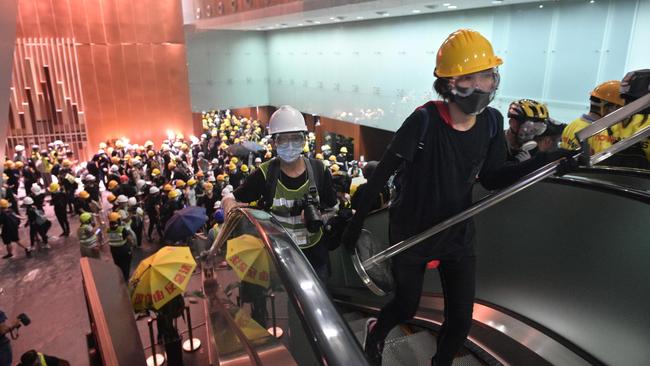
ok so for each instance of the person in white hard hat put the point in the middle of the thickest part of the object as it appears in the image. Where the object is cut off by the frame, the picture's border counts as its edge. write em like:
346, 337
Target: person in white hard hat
282, 186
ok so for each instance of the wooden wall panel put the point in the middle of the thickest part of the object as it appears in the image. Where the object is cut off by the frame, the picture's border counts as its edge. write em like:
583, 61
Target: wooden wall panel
130, 77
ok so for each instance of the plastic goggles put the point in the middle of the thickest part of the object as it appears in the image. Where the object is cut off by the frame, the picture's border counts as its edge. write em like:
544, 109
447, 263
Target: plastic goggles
290, 138
465, 85
528, 130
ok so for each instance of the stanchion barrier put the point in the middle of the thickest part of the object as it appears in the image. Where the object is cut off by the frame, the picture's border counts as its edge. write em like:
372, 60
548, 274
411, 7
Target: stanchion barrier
275, 330
192, 344
155, 359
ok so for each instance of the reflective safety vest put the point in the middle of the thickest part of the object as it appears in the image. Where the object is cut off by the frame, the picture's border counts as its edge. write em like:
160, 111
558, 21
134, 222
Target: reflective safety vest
116, 237
86, 235
283, 202
41, 359
597, 143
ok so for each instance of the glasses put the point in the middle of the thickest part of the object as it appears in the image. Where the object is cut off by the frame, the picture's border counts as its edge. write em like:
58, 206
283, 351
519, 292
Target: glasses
292, 138
486, 81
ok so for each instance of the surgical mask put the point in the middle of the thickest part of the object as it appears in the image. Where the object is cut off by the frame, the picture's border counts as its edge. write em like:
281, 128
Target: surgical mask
289, 152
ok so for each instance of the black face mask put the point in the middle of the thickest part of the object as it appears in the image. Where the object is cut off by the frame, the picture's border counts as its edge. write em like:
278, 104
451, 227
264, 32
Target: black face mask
475, 103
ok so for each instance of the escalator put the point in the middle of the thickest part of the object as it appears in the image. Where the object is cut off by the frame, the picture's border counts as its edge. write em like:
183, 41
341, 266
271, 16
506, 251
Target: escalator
561, 280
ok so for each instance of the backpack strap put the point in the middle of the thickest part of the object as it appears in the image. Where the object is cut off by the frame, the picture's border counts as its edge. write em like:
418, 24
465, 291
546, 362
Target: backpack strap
425, 126
272, 176
311, 178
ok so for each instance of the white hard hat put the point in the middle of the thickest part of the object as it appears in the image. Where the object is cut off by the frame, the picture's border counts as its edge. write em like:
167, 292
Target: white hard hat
225, 191
258, 160
20, 148
217, 205
230, 188
28, 201
36, 189
215, 161
212, 178
115, 168
122, 199
287, 119
139, 211
140, 183
154, 190
90, 177
132, 201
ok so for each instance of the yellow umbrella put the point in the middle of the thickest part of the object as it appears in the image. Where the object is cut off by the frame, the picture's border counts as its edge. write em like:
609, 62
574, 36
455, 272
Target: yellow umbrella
161, 277
247, 257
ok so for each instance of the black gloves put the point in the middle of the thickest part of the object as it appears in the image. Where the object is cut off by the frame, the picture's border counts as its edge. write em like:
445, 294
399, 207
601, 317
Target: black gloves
569, 164
351, 235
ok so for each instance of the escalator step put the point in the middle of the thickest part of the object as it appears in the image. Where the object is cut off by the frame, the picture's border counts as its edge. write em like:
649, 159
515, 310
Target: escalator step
352, 316
417, 349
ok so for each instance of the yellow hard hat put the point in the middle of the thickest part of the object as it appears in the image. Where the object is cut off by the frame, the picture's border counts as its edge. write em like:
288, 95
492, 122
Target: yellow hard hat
191, 182
167, 187
113, 217
343, 150
151, 153
319, 156
232, 167
54, 187
115, 159
4, 203
184, 147
171, 165
609, 91
335, 168
85, 217
244, 168
19, 164
111, 198
155, 172
221, 178
332, 158
84, 194
66, 163
207, 186
172, 194
112, 184
180, 183
234, 160
465, 52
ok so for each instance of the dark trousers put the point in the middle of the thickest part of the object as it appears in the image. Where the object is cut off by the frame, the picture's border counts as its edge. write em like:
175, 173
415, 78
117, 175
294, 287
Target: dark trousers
122, 259
457, 278
62, 217
154, 223
36, 230
137, 229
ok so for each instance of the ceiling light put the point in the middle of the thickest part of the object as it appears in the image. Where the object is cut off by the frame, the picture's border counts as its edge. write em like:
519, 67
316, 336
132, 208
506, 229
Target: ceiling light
317, 22
446, 4
592, 1
541, 6
300, 24
415, 11
497, 1
337, 20
332, 18
452, 7
359, 17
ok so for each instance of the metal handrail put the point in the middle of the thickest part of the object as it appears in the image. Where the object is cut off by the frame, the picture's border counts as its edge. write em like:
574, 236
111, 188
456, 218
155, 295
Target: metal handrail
474, 209
330, 337
621, 145
613, 118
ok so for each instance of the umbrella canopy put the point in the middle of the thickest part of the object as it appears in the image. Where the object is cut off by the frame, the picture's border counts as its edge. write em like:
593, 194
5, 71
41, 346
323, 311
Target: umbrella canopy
185, 223
161, 277
245, 148
248, 258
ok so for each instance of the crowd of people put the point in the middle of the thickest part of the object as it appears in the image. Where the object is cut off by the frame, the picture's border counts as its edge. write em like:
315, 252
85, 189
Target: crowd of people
127, 193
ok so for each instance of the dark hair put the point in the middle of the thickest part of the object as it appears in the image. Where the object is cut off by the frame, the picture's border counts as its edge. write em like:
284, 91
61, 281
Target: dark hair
28, 358
441, 86
369, 169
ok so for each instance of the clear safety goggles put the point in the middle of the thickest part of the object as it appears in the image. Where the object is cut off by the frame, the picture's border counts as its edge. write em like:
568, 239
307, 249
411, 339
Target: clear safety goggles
528, 130
290, 138
465, 85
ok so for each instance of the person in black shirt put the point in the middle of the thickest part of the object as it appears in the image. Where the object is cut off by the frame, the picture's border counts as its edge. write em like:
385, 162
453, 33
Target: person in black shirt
60, 201
461, 139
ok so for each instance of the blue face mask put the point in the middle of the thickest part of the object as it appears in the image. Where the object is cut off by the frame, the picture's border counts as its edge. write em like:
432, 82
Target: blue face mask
289, 152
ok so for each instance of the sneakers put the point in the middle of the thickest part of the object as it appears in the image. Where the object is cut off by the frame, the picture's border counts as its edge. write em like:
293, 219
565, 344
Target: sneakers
8, 255
371, 347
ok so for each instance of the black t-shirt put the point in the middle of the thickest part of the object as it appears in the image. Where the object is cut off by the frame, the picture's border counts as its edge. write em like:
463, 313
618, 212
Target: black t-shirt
436, 182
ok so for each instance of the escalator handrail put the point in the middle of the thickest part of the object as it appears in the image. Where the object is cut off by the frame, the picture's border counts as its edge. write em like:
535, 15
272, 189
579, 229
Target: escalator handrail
590, 183
331, 337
